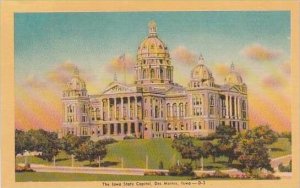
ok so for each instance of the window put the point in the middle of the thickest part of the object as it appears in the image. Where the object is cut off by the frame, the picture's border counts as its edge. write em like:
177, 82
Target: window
152, 73
244, 125
181, 110
212, 101
174, 110
168, 110
97, 114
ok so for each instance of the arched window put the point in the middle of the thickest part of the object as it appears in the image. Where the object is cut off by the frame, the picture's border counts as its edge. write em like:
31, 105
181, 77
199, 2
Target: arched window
174, 108
168, 110
97, 114
186, 109
161, 73
181, 110
144, 74
212, 101
152, 73
156, 112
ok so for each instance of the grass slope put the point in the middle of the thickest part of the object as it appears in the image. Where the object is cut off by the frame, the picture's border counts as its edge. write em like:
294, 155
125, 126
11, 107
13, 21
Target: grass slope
134, 154
47, 176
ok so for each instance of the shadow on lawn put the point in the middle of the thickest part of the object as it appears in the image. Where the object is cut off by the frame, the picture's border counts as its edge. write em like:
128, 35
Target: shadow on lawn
103, 164
276, 149
61, 159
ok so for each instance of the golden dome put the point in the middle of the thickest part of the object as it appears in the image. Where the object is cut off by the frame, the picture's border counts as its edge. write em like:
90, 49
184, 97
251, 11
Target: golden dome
76, 83
201, 72
233, 78
152, 46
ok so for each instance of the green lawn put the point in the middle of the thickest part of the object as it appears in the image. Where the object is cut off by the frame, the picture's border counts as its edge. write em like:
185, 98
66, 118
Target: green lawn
134, 154
47, 176
280, 148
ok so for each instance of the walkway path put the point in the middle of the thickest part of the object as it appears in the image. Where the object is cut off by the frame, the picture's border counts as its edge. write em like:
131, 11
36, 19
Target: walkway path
140, 172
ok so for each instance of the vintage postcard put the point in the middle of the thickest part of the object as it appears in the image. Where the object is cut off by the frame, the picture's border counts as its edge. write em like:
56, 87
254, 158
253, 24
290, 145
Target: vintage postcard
150, 94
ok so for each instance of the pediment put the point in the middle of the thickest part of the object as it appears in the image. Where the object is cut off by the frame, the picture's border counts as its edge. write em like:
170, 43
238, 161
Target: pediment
236, 88
175, 90
118, 88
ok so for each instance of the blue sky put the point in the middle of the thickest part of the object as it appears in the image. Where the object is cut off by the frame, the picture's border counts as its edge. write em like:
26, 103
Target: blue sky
43, 40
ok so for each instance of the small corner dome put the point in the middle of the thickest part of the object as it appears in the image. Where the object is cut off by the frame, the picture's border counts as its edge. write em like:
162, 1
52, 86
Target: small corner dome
201, 72
152, 44
76, 83
233, 78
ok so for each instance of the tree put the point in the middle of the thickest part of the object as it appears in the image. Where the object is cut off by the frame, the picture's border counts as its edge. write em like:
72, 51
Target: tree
267, 135
225, 132
71, 142
227, 142
45, 142
182, 142
21, 142
210, 149
287, 135
90, 151
253, 155
187, 149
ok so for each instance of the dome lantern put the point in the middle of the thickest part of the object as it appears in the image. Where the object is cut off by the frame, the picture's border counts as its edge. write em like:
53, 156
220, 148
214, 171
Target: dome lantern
152, 28
201, 60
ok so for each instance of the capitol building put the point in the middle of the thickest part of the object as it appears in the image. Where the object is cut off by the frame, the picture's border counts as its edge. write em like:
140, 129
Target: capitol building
154, 106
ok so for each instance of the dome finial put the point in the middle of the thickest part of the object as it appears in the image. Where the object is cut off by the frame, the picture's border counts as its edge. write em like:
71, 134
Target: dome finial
201, 59
76, 71
152, 28
232, 66
115, 77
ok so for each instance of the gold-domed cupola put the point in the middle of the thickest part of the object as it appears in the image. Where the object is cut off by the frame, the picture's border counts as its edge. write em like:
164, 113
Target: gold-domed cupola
76, 86
153, 64
233, 78
201, 75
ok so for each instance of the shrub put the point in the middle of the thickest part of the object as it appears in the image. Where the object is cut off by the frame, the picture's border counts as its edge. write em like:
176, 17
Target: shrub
107, 141
283, 168
181, 170
129, 137
208, 137
219, 174
25, 168
154, 173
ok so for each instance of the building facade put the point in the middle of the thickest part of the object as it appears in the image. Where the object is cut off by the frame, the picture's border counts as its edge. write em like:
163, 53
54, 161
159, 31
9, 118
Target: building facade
154, 105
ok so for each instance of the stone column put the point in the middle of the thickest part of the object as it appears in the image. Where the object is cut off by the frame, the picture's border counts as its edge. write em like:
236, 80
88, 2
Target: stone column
239, 107
108, 109
128, 128
191, 106
122, 108
128, 107
227, 105
115, 105
230, 109
234, 104
160, 108
108, 128
178, 110
135, 108
115, 128
122, 128
153, 108
101, 109
136, 129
